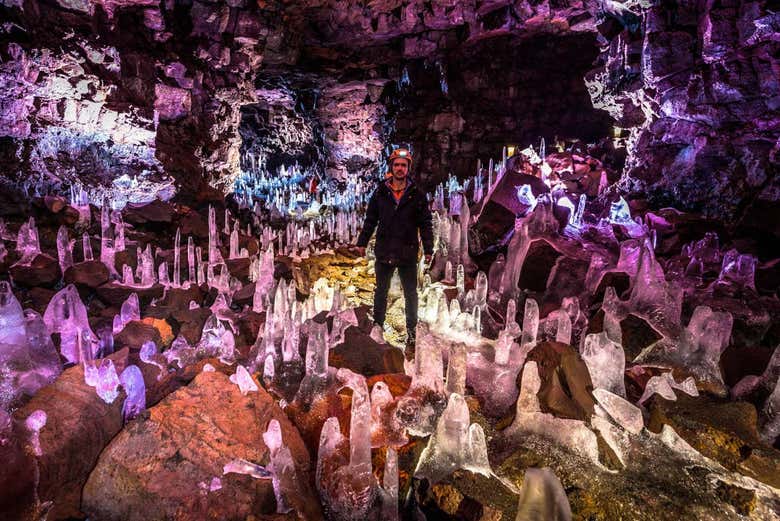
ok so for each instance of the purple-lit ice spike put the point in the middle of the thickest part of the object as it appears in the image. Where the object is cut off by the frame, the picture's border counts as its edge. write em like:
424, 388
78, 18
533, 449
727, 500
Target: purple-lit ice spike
133, 382
34, 423
282, 466
107, 380
87, 247
244, 380
177, 260
64, 249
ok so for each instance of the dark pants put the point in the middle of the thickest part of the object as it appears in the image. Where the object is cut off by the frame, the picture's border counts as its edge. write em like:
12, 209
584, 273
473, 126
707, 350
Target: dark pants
408, 275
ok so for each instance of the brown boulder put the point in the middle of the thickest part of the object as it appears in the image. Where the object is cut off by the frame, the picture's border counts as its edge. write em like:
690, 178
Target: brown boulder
156, 466
43, 270
566, 383
135, 334
362, 355
723, 431
155, 212
90, 274
78, 425
115, 294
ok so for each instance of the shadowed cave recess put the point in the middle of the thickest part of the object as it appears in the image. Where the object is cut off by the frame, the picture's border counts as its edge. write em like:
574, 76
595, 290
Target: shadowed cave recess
187, 326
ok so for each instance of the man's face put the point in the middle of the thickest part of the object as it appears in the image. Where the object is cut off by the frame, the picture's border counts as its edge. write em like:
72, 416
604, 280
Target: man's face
400, 168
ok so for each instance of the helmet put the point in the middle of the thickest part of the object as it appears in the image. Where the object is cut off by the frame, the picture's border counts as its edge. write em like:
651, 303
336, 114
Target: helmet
400, 153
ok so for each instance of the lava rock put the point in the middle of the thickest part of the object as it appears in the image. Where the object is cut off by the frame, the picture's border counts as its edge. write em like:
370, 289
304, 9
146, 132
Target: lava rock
78, 425
90, 274
725, 432
43, 270
566, 383
362, 355
189, 436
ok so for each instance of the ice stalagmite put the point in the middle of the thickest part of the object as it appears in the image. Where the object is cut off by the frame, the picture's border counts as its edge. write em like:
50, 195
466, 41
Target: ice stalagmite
244, 381
34, 423
347, 485
606, 363
390, 487
770, 417
27, 242
133, 383
67, 315
454, 445
282, 467
64, 249
530, 323
542, 497
149, 354
703, 341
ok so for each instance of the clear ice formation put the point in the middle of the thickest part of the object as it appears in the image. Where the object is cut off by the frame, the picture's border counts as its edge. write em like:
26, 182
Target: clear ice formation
623, 412
664, 386
455, 444
133, 383
216, 340
244, 381
542, 497
67, 315
149, 354
529, 419
770, 417
390, 486
64, 249
346, 495
242, 466
386, 430
101, 374
281, 467
425, 398
606, 362
129, 311
27, 243
739, 270
703, 341
34, 423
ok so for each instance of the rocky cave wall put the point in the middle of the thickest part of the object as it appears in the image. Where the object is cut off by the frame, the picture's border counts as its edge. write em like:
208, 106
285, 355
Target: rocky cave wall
94, 90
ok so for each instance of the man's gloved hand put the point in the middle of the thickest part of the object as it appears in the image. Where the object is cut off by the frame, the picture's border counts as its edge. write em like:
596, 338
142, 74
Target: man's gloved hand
360, 251
428, 260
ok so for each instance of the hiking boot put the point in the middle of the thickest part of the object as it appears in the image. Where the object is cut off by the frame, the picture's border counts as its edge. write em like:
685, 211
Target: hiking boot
411, 344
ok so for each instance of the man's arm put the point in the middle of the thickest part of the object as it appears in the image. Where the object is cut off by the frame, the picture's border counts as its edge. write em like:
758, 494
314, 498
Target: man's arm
372, 217
425, 223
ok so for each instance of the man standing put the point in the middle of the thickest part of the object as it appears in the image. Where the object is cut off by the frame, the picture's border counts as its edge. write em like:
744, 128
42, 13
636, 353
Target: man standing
398, 211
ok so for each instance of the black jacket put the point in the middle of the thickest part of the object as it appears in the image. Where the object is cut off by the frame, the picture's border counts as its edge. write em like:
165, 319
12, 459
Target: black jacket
397, 226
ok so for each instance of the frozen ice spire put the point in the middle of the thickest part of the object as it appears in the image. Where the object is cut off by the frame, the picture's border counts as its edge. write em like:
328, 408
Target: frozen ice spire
67, 316
606, 362
64, 249
87, 247
542, 497
530, 323
34, 423
107, 248
282, 467
244, 380
703, 341
191, 266
390, 486
572, 434
12, 330
101, 374
360, 423
177, 259
27, 242
133, 382
455, 444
